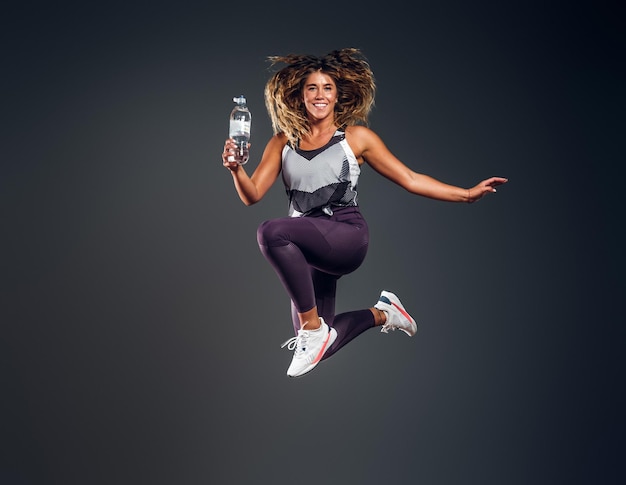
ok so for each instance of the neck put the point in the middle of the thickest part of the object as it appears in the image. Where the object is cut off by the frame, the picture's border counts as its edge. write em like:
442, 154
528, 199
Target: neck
320, 129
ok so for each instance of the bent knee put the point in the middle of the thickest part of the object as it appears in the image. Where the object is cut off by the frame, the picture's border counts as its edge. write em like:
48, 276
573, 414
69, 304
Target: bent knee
272, 233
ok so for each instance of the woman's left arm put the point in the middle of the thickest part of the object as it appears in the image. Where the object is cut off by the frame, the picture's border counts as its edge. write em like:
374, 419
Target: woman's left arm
369, 146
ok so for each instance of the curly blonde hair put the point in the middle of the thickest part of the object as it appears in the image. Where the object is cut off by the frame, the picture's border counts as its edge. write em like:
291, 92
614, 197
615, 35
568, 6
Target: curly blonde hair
283, 92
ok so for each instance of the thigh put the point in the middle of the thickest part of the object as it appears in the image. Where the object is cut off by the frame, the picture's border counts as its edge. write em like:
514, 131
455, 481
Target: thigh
327, 244
333, 247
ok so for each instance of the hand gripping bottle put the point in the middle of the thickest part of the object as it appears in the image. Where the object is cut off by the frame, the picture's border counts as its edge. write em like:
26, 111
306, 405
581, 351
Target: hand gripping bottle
240, 119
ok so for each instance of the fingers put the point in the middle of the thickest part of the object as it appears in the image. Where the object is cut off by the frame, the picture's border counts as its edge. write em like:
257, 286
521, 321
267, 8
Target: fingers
232, 156
229, 147
485, 187
231, 165
490, 184
228, 155
497, 181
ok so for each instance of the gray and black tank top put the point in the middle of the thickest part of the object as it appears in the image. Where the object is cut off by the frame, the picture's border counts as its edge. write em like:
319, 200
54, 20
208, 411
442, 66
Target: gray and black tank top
320, 179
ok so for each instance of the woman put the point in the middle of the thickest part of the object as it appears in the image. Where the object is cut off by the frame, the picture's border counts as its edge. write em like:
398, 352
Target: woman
319, 109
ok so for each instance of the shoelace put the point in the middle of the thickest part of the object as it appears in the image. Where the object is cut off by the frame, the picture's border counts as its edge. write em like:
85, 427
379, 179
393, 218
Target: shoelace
298, 342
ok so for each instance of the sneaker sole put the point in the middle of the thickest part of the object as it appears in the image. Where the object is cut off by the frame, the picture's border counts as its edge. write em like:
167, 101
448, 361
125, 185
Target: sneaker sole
330, 339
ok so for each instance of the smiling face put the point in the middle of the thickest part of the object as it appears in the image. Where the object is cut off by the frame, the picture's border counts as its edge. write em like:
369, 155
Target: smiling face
319, 96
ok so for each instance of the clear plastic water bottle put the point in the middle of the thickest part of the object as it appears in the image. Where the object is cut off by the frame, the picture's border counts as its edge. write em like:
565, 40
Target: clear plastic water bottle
240, 122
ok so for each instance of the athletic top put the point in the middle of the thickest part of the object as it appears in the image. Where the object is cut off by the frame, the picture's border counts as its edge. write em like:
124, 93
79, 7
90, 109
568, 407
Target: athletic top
320, 179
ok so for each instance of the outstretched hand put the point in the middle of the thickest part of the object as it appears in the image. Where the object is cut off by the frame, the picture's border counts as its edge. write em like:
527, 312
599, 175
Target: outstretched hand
485, 187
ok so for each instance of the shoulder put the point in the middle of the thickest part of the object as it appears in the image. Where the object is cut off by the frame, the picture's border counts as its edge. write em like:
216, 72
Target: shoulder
360, 138
279, 139
277, 143
358, 130
360, 133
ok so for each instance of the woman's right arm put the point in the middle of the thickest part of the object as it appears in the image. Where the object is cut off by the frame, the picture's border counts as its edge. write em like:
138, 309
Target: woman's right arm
251, 189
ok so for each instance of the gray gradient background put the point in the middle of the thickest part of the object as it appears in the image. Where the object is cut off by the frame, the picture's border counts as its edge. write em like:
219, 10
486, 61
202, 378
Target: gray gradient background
141, 325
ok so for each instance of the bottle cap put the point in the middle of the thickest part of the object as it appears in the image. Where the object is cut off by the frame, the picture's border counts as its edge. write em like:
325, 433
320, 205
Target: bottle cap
240, 99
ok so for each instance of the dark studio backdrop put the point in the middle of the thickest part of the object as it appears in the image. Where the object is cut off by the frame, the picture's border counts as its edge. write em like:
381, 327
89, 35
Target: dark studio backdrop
141, 326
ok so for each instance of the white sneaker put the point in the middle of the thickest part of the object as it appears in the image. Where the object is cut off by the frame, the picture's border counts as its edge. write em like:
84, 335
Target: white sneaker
397, 316
310, 346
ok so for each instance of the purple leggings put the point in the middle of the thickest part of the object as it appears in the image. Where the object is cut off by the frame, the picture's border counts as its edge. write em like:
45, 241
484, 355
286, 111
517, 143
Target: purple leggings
309, 255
